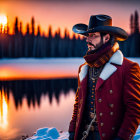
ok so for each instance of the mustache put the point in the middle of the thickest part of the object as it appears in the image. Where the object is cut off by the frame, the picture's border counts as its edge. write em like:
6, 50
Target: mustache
91, 44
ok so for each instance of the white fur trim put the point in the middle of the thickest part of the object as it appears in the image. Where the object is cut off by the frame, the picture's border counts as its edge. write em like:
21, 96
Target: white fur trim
83, 72
117, 58
107, 71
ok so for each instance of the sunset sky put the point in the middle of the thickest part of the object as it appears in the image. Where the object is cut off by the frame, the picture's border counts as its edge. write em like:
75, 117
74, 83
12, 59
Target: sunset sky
65, 14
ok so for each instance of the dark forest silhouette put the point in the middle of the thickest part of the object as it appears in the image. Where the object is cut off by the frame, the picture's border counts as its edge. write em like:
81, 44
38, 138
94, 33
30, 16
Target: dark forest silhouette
31, 45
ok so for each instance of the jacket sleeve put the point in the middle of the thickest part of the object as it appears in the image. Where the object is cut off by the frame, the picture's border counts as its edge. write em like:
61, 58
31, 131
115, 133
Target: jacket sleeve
75, 110
131, 97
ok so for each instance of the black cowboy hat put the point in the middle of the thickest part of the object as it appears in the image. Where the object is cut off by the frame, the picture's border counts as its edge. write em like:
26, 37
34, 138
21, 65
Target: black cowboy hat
100, 23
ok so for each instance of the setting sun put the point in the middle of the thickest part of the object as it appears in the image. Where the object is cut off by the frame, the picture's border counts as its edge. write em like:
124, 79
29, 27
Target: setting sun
3, 22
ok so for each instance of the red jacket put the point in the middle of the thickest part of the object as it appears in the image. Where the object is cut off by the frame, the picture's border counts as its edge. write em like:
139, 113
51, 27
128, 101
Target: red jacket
117, 96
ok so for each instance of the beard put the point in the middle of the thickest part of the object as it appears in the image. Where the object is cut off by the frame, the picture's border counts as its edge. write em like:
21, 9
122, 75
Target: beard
97, 47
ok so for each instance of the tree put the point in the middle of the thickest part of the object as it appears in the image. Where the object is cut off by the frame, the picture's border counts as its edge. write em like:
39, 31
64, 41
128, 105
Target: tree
38, 30
16, 31
33, 26
27, 29
136, 22
20, 28
132, 24
50, 31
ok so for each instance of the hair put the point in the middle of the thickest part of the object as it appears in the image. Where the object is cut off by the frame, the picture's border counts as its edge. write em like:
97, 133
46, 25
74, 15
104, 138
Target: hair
112, 39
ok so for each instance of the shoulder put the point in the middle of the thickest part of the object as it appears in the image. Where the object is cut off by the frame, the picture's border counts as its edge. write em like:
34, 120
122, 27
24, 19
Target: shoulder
130, 64
131, 68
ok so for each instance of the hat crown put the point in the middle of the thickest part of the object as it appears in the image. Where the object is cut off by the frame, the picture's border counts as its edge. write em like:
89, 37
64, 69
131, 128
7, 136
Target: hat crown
99, 20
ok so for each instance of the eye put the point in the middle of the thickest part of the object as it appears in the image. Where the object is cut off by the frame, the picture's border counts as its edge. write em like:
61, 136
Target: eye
91, 35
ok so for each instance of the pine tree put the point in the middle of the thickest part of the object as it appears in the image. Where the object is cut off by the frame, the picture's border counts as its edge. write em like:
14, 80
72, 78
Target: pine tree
136, 22
16, 31
33, 26
132, 24
27, 29
38, 30
20, 28
50, 31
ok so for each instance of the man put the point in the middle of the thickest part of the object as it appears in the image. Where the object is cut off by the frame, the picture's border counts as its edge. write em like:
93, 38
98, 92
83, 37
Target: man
107, 101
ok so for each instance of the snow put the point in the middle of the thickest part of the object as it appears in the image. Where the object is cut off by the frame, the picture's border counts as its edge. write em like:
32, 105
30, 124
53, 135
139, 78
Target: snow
49, 134
76, 60
53, 134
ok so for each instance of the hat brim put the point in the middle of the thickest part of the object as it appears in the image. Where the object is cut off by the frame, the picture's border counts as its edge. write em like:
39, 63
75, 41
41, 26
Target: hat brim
119, 33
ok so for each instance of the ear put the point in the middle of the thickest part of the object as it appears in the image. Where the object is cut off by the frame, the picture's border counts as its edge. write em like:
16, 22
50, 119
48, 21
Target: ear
106, 38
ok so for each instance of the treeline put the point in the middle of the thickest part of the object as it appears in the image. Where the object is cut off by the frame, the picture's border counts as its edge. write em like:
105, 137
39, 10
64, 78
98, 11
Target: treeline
37, 45
13, 46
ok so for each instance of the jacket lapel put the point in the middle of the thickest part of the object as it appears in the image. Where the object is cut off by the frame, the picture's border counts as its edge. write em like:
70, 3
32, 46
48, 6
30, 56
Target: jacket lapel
107, 71
109, 68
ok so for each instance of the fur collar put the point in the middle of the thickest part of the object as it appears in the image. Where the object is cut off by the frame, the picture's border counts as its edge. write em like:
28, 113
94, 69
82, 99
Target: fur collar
108, 70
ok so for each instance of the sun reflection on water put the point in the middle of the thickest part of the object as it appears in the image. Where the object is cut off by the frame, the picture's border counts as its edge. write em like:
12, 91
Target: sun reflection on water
3, 109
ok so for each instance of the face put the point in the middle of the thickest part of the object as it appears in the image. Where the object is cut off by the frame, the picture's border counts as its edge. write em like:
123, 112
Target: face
94, 40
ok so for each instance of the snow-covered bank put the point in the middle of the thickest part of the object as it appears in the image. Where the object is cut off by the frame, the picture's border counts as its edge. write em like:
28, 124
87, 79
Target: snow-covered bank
75, 60
53, 134
49, 134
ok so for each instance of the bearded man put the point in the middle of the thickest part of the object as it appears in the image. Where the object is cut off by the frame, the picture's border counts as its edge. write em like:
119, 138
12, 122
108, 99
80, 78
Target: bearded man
107, 102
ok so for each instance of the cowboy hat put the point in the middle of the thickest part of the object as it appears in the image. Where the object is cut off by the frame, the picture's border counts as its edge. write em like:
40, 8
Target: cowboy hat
100, 23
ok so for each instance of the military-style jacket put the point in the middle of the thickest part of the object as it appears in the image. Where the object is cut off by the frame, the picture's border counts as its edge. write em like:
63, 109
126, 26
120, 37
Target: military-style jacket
117, 97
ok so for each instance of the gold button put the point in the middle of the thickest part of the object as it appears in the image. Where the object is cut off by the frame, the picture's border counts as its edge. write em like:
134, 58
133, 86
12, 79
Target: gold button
93, 81
91, 108
103, 134
113, 128
99, 100
92, 96
102, 124
111, 113
91, 102
101, 114
111, 91
111, 105
92, 92
92, 88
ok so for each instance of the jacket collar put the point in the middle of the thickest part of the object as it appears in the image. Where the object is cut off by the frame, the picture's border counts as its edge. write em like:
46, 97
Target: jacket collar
108, 70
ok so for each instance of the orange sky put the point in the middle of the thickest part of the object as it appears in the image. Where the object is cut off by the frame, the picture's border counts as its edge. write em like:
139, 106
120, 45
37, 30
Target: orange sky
66, 14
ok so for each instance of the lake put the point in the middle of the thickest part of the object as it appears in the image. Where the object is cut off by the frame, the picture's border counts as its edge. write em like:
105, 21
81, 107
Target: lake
36, 93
